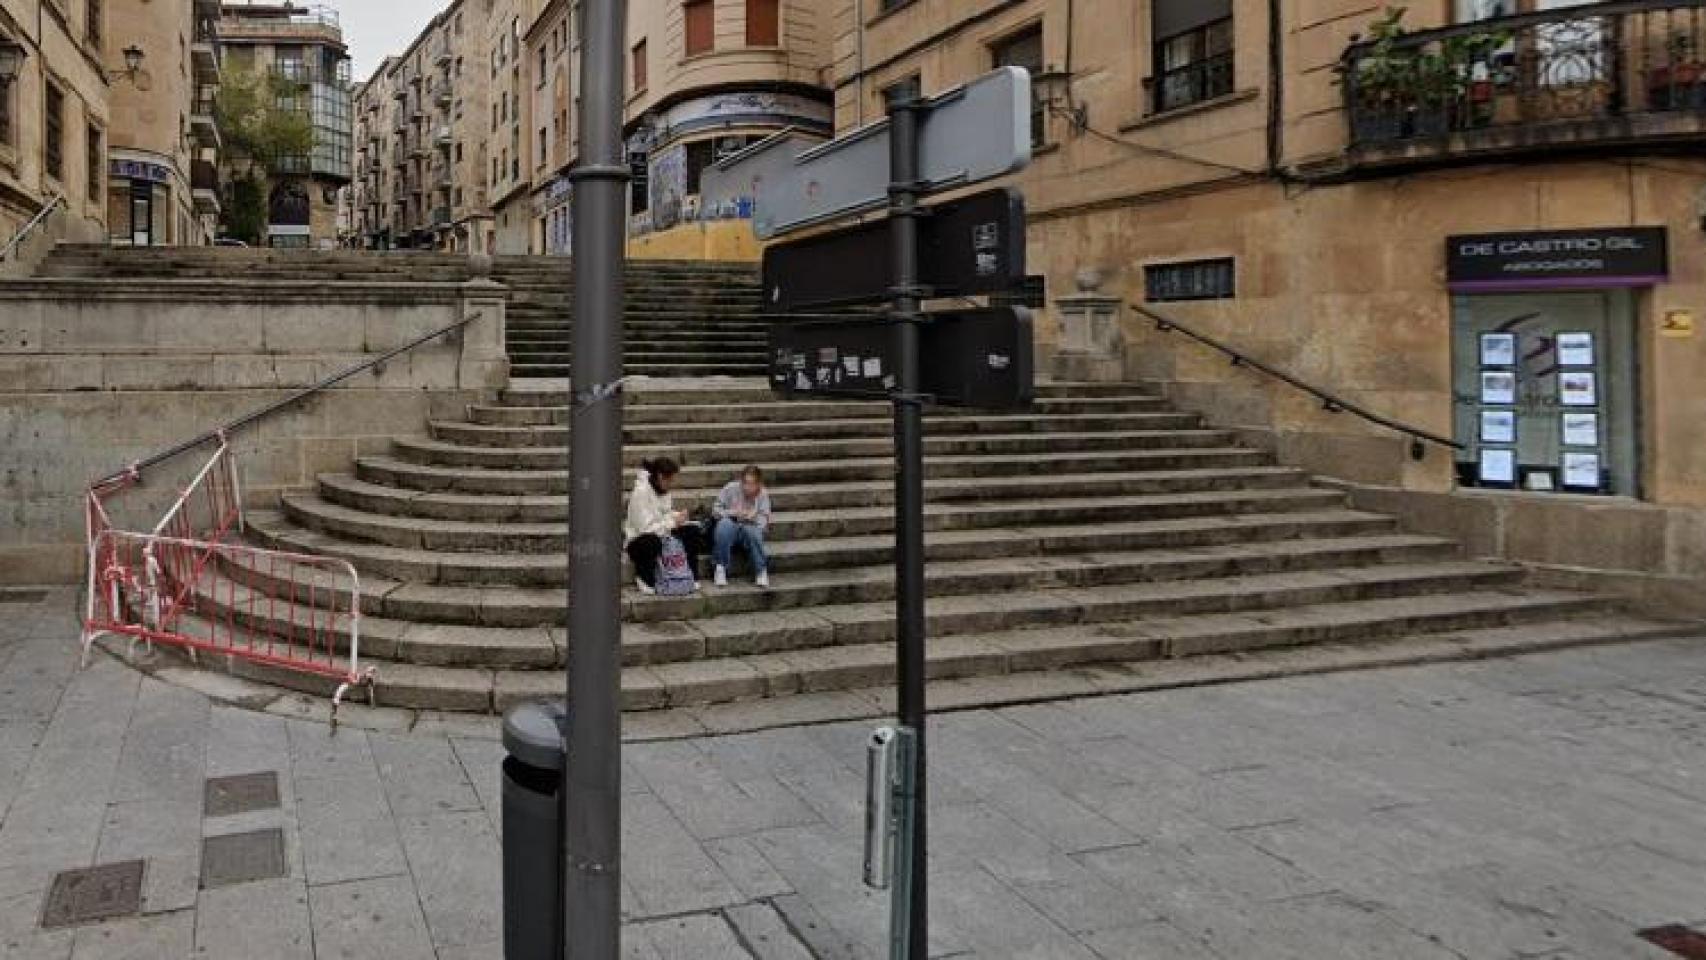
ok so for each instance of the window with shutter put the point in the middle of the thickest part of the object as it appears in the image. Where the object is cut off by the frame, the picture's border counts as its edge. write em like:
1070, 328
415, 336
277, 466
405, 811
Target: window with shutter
639, 66
763, 23
53, 133
700, 25
1193, 52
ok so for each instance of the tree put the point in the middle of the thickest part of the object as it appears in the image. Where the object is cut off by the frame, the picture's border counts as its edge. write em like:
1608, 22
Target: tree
264, 122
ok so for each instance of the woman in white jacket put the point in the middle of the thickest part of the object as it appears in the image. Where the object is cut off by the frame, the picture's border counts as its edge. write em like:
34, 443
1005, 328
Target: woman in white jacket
651, 517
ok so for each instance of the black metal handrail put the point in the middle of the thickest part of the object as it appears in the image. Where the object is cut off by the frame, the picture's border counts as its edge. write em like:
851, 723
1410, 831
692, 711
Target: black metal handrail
250, 419
1331, 402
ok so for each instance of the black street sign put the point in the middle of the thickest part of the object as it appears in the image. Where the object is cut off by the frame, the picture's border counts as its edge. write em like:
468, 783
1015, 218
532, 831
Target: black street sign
967, 247
980, 359
1551, 259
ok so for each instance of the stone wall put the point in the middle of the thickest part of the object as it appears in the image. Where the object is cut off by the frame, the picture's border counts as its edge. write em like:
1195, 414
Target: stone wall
95, 375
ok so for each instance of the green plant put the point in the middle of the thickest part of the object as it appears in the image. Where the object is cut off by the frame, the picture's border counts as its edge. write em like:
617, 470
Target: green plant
263, 122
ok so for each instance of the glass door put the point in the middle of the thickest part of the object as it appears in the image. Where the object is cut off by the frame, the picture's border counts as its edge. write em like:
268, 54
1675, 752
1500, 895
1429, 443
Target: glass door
141, 216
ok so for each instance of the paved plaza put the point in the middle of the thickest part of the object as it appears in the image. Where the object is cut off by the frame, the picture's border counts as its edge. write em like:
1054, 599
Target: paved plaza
1548, 806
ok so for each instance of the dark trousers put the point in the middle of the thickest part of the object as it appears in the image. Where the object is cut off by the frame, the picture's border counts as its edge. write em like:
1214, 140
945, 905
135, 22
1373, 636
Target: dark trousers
645, 549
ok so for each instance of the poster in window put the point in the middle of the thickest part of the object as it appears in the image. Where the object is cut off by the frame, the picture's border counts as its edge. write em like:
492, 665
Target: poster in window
1498, 387
1498, 349
1575, 349
1578, 388
1581, 471
1581, 429
1498, 426
1498, 467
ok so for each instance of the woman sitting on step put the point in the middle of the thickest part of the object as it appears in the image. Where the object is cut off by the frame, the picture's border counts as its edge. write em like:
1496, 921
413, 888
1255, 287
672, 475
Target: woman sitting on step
743, 517
652, 516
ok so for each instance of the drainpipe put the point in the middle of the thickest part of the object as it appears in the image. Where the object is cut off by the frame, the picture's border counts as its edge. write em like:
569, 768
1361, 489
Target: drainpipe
1276, 89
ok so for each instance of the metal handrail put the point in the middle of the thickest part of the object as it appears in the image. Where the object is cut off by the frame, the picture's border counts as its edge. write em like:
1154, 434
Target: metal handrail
220, 434
35, 221
1330, 402
1519, 21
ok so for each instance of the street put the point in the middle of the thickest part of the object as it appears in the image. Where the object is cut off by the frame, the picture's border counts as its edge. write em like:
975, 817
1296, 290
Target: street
1546, 806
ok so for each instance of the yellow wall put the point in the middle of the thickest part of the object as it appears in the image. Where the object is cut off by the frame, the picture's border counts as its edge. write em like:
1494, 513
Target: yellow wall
728, 240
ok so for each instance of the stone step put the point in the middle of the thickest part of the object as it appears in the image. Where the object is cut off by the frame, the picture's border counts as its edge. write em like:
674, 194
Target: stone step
518, 537
646, 370
669, 434
554, 392
641, 359
446, 566
1574, 618
558, 342
376, 496
822, 459
772, 409
402, 471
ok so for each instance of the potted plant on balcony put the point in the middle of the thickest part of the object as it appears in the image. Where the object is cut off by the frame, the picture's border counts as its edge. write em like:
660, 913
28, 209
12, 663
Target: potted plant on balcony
1379, 79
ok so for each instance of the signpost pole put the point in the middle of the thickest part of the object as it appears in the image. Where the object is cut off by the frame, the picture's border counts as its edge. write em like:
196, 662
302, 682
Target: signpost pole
912, 896
592, 795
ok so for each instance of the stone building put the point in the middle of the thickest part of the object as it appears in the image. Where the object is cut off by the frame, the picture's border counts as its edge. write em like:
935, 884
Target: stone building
304, 44
1484, 219
54, 93
508, 158
421, 138
163, 141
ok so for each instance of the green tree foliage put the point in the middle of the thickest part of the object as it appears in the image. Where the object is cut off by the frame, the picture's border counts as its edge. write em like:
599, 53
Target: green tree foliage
263, 118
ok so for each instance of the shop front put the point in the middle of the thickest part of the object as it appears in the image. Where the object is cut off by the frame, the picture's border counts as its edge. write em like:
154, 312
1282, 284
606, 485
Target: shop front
140, 203
1545, 358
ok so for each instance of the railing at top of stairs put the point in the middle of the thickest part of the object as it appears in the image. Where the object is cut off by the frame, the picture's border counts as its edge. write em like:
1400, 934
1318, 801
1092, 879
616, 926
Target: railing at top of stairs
1330, 402
35, 222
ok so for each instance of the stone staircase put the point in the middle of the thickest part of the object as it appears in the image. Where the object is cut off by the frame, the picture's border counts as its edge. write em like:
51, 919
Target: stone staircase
683, 319
1105, 527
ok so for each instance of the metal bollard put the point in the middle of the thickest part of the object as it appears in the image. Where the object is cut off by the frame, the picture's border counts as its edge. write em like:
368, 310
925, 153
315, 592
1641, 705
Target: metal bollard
533, 831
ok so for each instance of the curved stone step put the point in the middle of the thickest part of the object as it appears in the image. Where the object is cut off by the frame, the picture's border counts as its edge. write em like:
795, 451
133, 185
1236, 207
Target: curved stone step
647, 370
1574, 618
772, 409
360, 493
546, 537
396, 564
441, 463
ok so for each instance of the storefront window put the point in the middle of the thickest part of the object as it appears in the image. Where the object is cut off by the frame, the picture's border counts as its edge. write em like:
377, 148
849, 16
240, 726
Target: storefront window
1544, 391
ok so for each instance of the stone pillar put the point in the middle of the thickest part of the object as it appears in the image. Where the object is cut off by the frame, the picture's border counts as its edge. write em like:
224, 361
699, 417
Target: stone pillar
1092, 348
485, 355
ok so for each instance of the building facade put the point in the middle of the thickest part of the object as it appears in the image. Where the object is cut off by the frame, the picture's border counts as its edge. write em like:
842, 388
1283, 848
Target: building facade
1483, 219
163, 141
54, 118
305, 45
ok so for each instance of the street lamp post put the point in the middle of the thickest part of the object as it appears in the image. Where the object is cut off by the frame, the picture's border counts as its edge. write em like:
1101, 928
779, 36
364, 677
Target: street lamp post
592, 796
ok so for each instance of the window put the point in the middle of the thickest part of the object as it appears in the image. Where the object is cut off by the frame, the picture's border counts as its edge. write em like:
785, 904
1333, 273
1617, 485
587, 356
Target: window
1190, 280
701, 26
1025, 49
884, 6
6, 114
639, 66
94, 21
700, 155
544, 66
1193, 52
763, 23
539, 162
97, 159
53, 132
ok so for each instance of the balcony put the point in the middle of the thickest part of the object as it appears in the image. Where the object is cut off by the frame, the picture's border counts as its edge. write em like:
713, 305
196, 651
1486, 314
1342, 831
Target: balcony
443, 98
442, 138
204, 51
204, 186
441, 217
203, 125
1633, 74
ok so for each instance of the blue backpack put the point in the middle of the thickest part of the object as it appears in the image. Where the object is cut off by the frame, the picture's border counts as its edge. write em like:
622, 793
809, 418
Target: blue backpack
675, 578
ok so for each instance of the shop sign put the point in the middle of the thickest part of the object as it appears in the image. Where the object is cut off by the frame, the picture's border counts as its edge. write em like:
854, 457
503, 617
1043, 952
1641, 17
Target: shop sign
1677, 324
140, 170
1553, 259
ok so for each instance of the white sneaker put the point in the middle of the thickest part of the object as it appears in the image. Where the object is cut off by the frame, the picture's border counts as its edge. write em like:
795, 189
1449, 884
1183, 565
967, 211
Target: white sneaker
721, 577
763, 580
645, 588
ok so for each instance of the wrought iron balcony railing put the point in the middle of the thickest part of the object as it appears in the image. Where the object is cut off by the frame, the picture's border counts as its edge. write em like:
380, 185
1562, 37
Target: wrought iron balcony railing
1618, 71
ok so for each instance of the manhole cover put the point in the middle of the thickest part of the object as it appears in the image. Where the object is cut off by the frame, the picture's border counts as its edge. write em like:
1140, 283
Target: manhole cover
22, 596
1678, 939
242, 857
244, 793
97, 893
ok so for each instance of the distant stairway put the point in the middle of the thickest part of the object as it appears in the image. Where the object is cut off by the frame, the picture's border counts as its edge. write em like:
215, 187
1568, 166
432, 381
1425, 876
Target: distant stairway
684, 319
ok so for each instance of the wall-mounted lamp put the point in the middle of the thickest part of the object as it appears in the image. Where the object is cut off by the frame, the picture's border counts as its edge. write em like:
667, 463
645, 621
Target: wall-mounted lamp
1053, 89
133, 56
11, 60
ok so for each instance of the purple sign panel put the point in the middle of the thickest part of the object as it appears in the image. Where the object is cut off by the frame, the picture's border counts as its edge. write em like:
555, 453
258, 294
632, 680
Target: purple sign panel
1557, 259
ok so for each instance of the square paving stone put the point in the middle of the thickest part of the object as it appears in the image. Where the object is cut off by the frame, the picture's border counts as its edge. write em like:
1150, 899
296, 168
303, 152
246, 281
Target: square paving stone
243, 793
97, 893
242, 857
